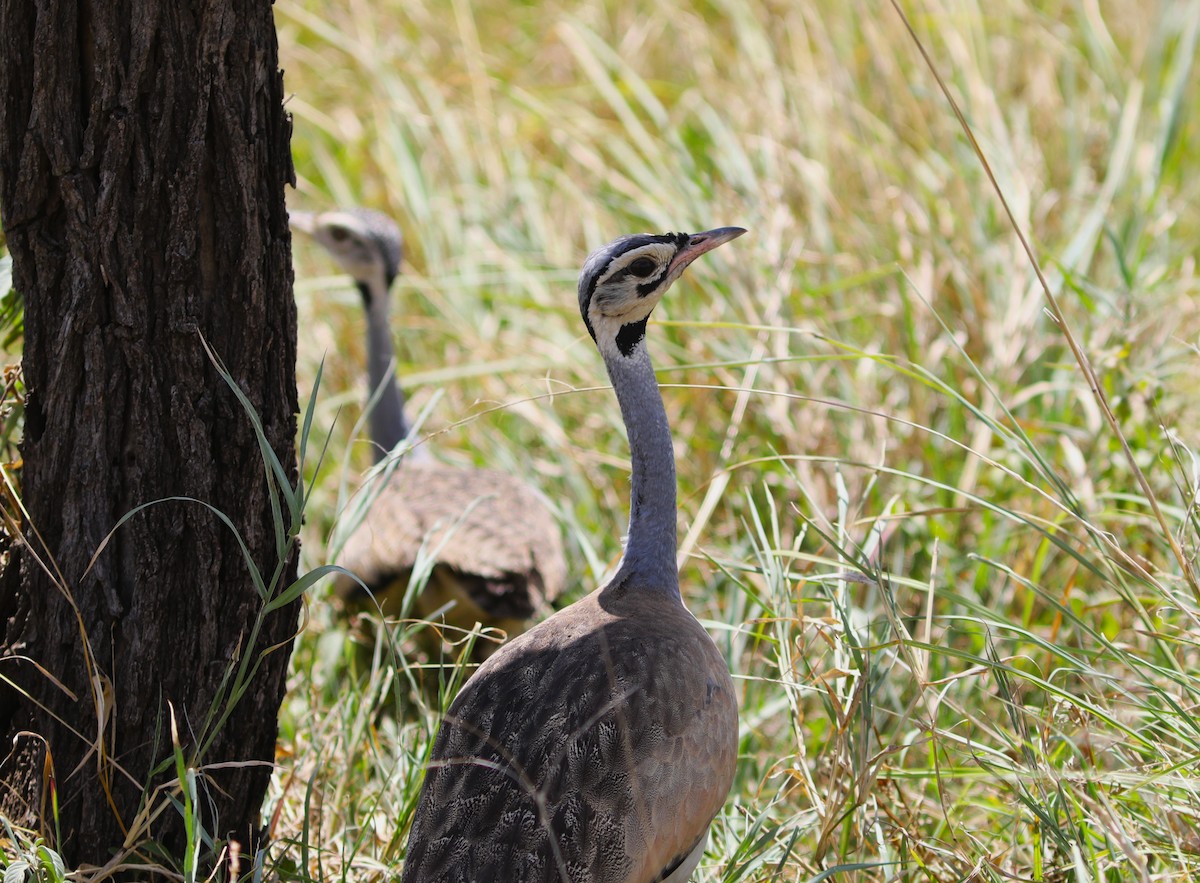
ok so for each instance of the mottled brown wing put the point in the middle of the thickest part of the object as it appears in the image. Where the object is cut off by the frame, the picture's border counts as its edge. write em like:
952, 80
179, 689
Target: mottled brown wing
597, 747
491, 529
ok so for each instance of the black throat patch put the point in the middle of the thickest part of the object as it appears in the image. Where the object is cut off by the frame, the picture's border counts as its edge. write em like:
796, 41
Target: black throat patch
629, 336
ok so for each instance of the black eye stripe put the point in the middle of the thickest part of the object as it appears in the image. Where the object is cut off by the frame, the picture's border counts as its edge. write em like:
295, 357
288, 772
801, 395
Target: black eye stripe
643, 289
615, 250
649, 285
627, 271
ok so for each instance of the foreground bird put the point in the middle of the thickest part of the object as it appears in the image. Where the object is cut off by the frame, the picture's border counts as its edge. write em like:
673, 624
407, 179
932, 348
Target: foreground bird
499, 553
598, 746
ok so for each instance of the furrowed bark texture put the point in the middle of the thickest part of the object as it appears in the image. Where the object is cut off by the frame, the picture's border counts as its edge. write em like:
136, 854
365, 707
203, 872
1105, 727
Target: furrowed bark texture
143, 157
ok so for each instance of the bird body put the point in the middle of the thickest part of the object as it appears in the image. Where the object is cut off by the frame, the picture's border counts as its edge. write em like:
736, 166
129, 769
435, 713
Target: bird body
624, 760
599, 745
499, 557
487, 531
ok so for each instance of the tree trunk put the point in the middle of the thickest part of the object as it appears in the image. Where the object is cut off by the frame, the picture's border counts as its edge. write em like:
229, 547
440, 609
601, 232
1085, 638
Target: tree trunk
143, 157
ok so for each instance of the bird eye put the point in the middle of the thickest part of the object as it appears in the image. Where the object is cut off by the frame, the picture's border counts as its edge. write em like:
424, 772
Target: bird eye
643, 267
339, 234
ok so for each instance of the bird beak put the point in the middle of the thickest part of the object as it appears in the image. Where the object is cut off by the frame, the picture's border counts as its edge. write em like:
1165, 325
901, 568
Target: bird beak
302, 222
699, 243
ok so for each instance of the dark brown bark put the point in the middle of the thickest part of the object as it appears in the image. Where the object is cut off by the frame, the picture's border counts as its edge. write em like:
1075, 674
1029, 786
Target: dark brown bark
143, 156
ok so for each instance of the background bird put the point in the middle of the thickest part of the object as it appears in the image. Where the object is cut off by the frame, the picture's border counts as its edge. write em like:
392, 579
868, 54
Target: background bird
499, 556
599, 745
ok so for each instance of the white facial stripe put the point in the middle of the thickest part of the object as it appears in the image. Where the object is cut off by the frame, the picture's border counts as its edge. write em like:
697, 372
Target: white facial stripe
348, 239
659, 252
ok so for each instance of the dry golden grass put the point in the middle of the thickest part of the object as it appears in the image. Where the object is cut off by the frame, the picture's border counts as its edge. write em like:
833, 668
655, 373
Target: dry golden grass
869, 384
960, 602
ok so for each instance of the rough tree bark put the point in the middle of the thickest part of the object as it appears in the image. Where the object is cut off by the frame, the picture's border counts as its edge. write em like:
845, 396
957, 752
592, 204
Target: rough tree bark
144, 150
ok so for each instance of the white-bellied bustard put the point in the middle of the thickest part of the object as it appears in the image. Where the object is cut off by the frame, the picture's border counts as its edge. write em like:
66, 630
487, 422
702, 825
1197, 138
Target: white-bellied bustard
598, 746
499, 556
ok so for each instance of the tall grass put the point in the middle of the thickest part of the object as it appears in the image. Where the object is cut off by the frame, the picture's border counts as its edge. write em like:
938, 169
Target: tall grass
960, 604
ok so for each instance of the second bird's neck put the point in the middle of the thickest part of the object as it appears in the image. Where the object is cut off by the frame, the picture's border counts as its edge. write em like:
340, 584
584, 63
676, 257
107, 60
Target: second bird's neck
386, 419
651, 546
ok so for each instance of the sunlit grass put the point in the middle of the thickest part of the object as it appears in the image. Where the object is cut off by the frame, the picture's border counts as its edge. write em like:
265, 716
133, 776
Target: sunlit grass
966, 644
966, 647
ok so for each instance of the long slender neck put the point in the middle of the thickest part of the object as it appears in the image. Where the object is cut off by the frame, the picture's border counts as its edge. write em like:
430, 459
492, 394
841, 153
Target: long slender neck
386, 419
649, 561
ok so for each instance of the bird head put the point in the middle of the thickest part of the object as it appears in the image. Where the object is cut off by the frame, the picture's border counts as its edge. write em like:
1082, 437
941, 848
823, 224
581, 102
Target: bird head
623, 281
365, 243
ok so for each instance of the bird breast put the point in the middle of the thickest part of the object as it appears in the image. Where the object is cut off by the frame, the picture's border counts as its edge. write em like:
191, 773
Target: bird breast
596, 747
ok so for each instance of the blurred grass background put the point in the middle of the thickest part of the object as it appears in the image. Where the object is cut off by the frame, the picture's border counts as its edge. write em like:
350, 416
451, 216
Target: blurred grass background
1006, 684
960, 603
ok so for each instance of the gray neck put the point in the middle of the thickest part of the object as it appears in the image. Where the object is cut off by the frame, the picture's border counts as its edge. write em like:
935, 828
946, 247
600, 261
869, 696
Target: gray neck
649, 562
387, 422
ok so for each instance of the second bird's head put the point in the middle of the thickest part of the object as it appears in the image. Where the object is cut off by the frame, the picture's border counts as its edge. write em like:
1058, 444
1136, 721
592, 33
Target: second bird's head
623, 281
367, 245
